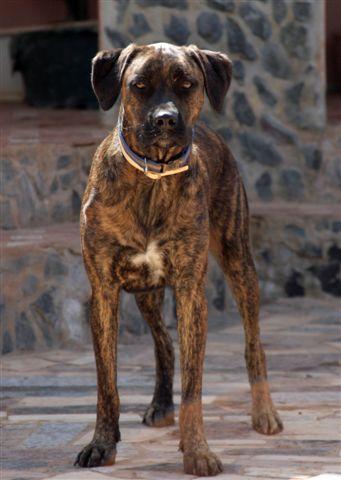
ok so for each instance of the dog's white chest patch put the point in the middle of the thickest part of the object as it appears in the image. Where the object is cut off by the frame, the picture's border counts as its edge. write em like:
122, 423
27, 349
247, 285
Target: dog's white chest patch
153, 258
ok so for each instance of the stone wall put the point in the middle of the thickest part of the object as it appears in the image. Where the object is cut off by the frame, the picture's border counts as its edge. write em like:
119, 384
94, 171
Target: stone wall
42, 185
275, 112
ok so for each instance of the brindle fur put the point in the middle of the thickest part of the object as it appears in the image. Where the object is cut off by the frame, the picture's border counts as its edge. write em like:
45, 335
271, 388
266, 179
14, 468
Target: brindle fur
179, 219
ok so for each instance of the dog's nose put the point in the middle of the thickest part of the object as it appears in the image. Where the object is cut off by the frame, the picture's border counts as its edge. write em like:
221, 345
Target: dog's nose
165, 119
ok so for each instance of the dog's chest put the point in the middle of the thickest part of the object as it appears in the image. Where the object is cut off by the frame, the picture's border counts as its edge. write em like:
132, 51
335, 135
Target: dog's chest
142, 238
135, 246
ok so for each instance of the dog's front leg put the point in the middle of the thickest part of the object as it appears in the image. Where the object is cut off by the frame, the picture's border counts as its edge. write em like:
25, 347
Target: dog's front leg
192, 329
104, 326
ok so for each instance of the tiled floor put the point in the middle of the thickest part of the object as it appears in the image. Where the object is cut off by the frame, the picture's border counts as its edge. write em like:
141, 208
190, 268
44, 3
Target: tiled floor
48, 409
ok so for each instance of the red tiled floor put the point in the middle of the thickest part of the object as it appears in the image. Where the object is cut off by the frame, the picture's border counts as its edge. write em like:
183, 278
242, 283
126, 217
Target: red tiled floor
49, 405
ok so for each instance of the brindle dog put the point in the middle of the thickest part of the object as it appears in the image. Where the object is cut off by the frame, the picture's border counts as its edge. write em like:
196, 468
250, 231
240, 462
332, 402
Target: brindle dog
140, 234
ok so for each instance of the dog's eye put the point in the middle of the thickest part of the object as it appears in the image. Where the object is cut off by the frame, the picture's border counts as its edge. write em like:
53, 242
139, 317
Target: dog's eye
186, 85
140, 85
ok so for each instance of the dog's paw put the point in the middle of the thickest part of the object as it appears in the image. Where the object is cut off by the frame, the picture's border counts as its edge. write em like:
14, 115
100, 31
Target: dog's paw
96, 454
202, 463
267, 421
159, 416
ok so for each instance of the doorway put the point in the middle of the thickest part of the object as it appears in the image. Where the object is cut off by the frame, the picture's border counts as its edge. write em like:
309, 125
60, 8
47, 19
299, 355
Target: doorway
333, 59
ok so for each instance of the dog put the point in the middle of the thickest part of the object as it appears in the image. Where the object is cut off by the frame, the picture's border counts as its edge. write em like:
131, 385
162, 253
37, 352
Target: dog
163, 191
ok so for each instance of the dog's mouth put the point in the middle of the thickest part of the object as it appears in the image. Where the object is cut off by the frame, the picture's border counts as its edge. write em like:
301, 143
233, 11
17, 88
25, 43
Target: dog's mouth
156, 144
164, 140
165, 147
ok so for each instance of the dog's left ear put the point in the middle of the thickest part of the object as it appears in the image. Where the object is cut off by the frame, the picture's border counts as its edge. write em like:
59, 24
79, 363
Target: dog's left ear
217, 71
108, 67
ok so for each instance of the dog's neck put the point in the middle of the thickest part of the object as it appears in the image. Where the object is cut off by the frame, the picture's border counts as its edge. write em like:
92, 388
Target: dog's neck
152, 169
170, 163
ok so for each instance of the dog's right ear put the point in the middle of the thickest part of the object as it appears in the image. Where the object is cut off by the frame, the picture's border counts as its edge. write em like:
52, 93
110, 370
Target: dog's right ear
107, 71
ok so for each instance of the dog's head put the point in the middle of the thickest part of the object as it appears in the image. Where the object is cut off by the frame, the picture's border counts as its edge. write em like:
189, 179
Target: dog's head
162, 89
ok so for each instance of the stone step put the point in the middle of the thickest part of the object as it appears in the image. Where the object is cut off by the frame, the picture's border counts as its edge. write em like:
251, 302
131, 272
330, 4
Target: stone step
45, 294
297, 248
46, 157
45, 161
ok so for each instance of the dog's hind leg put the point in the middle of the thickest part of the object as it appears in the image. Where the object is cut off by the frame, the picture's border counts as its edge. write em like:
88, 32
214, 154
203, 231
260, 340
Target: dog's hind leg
242, 278
160, 413
232, 250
